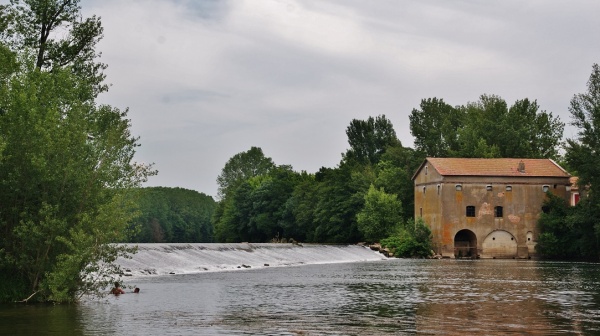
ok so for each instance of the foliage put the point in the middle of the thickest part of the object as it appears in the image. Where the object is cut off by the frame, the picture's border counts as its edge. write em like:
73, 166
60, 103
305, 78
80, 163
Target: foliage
565, 231
55, 30
66, 164
583, 152
369, 139
173, 215
435, 127
487, 128
321, 207
241, 167
573, 232
413, 239
380, 214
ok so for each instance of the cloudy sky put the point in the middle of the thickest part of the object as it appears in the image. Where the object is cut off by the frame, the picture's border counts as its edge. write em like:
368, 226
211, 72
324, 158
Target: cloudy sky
207, 79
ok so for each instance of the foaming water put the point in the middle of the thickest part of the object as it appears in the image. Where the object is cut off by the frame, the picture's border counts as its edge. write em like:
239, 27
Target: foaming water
160, 259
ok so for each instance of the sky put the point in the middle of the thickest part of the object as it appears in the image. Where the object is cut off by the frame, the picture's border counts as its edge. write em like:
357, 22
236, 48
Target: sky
206, 79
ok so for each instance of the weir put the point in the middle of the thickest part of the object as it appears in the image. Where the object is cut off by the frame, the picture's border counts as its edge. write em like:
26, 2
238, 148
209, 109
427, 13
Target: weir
162, 259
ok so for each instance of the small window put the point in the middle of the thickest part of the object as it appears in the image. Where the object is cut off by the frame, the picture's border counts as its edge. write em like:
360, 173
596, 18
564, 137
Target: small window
424, 188
508, 188
470, 211
555, 186
459, 187
488, 187
420, 212
439, 186
546, 188
498, 211
426, 170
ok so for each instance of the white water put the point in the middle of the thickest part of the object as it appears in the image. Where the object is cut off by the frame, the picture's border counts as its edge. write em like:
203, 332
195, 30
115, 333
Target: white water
160, 259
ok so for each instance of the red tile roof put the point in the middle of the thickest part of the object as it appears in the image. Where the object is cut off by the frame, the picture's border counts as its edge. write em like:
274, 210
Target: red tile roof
497, 167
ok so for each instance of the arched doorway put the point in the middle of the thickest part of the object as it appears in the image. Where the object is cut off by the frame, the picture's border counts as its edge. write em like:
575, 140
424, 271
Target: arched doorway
499, 244
465, 244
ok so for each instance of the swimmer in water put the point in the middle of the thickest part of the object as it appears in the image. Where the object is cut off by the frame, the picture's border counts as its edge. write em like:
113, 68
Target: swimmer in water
117, 289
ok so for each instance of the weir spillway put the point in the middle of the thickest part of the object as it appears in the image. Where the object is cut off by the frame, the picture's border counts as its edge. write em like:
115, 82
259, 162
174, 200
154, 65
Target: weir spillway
163, 259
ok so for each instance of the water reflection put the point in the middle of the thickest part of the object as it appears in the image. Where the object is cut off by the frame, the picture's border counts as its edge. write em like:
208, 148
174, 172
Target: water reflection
21, 319
447, 297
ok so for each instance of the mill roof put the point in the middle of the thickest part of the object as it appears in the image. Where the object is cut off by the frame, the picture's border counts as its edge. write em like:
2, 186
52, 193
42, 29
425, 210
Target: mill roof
495, 167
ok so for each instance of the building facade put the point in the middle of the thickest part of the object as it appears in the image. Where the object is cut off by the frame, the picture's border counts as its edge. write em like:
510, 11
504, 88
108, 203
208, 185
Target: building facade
486, 208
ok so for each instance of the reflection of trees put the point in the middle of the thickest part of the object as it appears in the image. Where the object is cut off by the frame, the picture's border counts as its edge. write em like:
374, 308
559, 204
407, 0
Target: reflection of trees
484, 297
40, 320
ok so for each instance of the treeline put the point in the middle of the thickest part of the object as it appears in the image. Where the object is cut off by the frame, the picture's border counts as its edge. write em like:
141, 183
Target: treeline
261, 201
369, 196
173, 215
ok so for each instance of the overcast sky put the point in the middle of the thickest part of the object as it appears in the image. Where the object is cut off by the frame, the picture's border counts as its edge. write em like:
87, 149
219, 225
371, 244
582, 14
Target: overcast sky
205, 80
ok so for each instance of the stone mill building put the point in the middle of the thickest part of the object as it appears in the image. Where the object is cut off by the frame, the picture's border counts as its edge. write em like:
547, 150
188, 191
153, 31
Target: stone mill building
486, 208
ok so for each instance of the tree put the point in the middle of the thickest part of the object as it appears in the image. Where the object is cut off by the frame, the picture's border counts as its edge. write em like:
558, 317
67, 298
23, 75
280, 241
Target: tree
369, 139
380, 214
411, 240
241, 167
583, 153
173, 215
491, 129
66, 165
58, 35
435, 127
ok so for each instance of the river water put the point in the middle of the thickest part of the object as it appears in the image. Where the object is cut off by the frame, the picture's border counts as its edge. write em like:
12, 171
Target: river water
389, 297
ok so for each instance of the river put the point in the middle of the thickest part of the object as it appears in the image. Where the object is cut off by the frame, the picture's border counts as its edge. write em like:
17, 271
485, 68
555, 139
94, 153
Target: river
386, 297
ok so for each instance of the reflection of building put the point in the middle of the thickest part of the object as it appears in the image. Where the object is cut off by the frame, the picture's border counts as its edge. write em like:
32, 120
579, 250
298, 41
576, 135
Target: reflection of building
486, 208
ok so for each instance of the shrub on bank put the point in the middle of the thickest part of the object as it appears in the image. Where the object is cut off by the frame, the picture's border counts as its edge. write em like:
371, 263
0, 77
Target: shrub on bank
411, 240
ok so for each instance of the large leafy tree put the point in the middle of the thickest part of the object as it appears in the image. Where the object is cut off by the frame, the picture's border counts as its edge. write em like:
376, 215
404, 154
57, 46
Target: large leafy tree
369, 139
574, 232
435, 127
58, 35
381, 213
66, 167
486, 128
583, 153
241, 167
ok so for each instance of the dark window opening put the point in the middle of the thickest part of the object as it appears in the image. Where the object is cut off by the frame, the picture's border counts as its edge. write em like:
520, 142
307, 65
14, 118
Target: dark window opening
498, 211
470, 211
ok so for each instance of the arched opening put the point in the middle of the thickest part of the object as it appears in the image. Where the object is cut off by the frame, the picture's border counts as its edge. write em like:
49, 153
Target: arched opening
499, 244
465, 244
